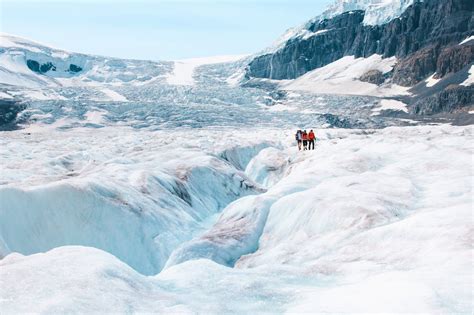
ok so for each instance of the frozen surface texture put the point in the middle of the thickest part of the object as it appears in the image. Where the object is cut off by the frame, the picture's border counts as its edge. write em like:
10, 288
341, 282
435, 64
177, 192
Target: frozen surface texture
371, 221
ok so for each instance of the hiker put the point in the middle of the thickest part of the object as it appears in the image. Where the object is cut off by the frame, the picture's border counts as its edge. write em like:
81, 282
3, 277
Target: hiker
298, 137
311, 138
305, 140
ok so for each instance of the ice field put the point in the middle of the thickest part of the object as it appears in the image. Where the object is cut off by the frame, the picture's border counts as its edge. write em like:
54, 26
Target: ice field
178, 190
227, 220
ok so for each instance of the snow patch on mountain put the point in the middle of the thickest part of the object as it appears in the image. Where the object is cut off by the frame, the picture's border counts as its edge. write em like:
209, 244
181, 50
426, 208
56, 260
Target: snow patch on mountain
342, 77
431, 81
467, 40
113, 96
390, 105
470, 80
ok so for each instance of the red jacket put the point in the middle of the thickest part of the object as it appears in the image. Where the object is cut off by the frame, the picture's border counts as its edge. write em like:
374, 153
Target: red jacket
305, 136
311, 135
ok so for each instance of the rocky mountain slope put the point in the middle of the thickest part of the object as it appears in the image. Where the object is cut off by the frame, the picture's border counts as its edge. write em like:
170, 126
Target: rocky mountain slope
426, 40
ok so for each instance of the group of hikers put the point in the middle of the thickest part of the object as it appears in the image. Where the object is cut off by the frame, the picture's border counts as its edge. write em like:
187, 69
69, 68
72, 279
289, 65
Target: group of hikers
305, 139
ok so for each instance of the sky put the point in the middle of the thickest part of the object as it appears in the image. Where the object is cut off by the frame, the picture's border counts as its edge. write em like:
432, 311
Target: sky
156, 30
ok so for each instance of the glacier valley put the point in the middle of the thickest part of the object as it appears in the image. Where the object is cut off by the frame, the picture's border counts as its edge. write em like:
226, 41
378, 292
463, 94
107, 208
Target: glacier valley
133, 186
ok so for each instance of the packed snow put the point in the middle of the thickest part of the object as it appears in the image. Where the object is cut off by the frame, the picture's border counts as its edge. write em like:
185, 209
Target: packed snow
470, 80
467, 40
113, 96
222, 220
307, 34
431, 81
183, 70
388, 104
342, 77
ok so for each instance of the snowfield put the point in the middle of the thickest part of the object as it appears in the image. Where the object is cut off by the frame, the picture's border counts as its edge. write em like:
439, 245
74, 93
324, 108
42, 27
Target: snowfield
124, 220
343, 77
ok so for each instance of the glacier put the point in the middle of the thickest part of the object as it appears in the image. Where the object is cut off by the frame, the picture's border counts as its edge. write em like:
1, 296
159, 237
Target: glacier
142, 186
371, 221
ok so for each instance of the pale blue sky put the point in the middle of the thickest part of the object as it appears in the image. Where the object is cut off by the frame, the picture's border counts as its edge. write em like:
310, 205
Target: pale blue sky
161, 29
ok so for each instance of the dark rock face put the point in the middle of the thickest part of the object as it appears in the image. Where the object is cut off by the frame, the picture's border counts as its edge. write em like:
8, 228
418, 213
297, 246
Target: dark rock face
74, 68
416, 67
425, 29
9, 110
373, 76
449, 100
46, 67
35, 66
452, 59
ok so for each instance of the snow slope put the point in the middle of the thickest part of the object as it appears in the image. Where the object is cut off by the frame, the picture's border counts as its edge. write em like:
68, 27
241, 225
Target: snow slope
342, 77
371, 221
470, 80
184, 69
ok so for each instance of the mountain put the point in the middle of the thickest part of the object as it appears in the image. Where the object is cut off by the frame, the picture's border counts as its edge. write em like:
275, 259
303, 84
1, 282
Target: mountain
134, 186
30, 64
44, 85
430, 40
376, 12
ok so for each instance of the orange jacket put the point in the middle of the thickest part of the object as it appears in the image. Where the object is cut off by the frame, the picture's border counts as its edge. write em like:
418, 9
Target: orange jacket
311, 135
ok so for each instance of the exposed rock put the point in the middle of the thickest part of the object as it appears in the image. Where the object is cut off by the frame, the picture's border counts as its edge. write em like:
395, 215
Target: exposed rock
429, 26
454, 58
35, 66
9, 110
416, 67
449, 100
373, 76
74, 68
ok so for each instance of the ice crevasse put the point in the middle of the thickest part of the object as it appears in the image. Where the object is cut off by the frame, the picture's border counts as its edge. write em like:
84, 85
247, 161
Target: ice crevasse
135, 202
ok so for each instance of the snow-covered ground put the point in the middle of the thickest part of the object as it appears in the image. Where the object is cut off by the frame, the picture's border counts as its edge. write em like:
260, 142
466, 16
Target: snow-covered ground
218, 220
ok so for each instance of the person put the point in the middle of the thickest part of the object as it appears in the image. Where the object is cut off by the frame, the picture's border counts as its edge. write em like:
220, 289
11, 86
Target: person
311, 138
305, 140
298, 137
